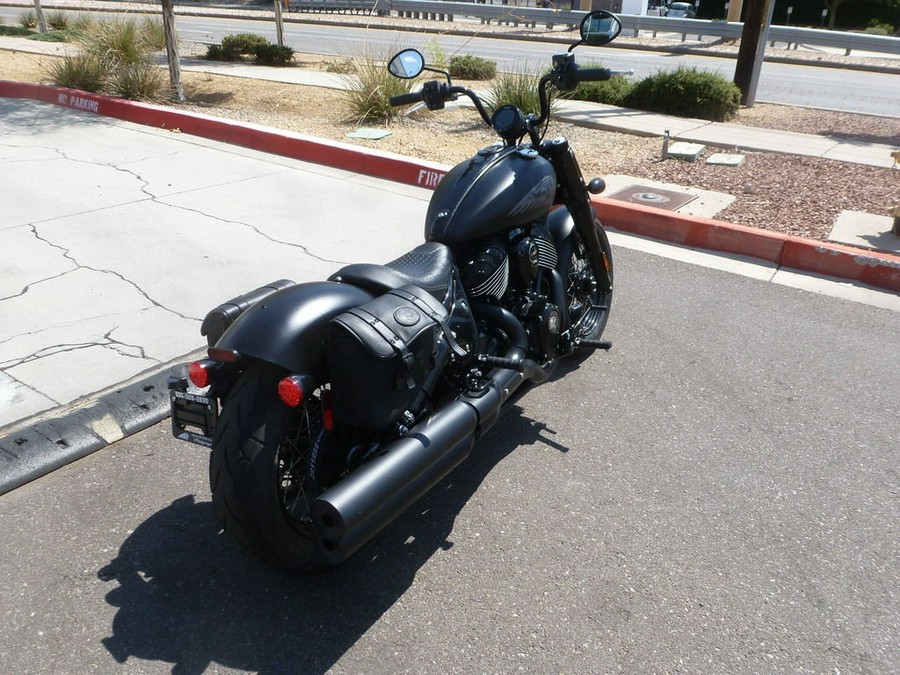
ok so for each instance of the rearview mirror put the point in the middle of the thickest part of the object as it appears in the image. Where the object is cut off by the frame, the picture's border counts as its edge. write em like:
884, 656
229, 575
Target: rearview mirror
407, 64
599, 28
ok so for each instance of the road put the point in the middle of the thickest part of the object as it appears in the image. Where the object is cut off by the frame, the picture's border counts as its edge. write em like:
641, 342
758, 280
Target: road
853, 91
716, 494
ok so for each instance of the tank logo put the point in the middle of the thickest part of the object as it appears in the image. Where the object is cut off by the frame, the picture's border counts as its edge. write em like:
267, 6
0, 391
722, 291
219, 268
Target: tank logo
429, 179
538, 196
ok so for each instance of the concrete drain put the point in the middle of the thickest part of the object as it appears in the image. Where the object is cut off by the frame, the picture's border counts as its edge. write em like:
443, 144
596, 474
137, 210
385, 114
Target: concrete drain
653, 196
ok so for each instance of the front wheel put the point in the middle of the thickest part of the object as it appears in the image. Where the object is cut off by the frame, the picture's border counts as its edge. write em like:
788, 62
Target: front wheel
258, 472
588, 304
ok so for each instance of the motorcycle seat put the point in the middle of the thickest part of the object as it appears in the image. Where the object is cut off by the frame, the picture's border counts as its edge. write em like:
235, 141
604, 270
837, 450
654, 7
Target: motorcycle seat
428, 266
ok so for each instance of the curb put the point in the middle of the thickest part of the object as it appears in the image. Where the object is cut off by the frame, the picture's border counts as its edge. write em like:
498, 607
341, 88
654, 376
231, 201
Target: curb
877, 269
48, 444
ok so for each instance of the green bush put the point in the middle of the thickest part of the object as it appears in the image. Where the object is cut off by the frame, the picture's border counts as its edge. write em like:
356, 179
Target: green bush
687, 92
81, 71
15, 30
369, 88
613, 91
273, 55
472, 68
242, 44
877, 27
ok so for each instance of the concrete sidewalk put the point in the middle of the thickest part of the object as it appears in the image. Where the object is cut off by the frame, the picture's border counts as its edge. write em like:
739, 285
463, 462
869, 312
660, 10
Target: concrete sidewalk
107, 275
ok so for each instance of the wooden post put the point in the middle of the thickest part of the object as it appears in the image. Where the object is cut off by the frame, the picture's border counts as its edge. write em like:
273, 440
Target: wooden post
753, 48
279, 24
168, 12
39, 12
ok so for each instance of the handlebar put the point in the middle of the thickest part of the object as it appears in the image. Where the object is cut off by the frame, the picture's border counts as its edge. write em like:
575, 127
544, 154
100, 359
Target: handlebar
406, 99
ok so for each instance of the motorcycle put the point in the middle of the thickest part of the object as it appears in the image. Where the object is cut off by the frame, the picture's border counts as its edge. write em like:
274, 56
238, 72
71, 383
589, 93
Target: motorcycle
331, 406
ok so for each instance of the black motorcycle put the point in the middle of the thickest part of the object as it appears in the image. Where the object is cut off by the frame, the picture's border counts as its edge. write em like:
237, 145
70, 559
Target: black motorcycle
331, 406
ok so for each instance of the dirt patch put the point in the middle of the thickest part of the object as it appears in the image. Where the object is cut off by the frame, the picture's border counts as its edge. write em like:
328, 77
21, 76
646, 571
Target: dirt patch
795, 195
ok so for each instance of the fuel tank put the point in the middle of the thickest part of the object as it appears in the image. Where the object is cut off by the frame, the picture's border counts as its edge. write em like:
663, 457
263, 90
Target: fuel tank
497, 189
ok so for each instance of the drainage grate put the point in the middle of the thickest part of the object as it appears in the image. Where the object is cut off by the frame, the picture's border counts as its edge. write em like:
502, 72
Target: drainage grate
653, 196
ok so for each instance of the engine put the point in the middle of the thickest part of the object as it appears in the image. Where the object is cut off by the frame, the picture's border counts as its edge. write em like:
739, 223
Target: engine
518, 271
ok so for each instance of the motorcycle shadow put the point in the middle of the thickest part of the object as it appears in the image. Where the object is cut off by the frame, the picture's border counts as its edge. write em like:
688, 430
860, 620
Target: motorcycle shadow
186, 596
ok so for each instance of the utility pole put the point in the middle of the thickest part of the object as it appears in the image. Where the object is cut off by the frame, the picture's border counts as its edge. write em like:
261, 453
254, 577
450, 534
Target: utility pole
753, 48
168, 12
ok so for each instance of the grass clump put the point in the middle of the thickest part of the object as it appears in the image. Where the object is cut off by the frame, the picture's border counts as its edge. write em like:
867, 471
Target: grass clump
472, 68
369, 89
115, 59
81, 71
518, 89
687, 92
28, 19
57, 21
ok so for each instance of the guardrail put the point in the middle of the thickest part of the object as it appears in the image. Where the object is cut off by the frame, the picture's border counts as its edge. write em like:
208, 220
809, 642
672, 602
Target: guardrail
440, 10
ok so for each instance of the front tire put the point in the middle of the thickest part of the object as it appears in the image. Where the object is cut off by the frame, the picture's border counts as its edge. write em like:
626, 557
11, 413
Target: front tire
589, 306
258, 472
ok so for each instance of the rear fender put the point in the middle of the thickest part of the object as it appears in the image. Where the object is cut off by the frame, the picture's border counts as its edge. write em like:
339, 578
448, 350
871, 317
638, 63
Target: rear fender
288, 327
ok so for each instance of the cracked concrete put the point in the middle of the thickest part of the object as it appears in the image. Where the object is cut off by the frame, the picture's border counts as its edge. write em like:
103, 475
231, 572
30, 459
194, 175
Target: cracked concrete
119, 238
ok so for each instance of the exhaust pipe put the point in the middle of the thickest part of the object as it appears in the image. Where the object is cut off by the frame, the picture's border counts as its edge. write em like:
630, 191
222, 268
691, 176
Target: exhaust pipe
350, 513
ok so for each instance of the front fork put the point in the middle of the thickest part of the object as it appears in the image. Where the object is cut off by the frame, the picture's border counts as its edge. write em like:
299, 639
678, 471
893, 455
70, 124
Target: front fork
572, 191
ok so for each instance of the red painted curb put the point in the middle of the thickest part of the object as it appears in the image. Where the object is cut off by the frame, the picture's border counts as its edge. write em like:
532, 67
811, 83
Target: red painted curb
877, 269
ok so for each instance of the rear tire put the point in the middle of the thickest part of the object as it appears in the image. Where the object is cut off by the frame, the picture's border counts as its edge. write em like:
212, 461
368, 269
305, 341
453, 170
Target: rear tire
258, 472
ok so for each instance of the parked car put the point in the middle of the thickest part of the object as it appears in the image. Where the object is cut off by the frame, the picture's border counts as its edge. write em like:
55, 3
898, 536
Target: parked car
681, 10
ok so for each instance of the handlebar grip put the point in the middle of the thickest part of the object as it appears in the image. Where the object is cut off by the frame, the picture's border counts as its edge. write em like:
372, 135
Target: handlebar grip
406, 99
593, 74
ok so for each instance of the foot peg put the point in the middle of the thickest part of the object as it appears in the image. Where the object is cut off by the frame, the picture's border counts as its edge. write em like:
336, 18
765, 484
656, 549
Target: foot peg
596, 344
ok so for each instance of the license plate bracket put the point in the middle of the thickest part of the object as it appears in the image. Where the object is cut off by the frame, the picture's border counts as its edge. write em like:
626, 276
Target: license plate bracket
194, 416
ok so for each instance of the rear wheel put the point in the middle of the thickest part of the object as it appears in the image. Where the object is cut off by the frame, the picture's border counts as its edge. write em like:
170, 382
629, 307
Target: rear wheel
258, 472
589, 305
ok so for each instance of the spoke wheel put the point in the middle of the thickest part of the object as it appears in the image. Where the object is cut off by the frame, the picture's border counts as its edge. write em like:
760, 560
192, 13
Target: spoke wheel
589, 306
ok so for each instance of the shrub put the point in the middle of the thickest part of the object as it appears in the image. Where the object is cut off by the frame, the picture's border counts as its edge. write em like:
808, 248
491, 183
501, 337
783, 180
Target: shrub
138, 81
613, 91
273, 55
877, 27
241, 44
81, 71
518, 89
687, 92
369, 89
472, 68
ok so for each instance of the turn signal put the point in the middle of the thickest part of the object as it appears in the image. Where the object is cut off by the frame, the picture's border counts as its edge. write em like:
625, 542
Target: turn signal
291, 391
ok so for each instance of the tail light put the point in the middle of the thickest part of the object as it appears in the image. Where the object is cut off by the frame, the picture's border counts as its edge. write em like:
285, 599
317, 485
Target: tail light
201, 372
